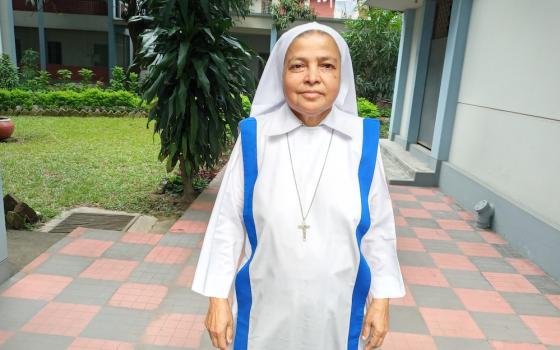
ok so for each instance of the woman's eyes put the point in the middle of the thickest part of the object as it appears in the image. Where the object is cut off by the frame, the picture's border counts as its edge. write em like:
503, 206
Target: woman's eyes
298, 66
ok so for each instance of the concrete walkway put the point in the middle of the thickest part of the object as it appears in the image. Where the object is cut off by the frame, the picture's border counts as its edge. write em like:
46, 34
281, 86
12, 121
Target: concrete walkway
101, 290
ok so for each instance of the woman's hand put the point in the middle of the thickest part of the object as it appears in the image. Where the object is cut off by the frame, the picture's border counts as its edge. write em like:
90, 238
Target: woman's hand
219, 322
376, 323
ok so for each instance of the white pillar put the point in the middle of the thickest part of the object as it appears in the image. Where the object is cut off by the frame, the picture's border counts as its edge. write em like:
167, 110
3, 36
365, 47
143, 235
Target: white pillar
7, 37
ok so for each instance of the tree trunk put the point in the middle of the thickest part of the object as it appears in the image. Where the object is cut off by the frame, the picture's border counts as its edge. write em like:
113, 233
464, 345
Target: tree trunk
188, 190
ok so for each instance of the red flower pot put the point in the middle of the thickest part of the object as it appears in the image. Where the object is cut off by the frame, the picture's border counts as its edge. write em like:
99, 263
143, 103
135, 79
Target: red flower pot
6, 127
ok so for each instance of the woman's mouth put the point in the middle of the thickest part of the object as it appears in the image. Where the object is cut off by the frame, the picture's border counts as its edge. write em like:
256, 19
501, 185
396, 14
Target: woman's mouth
311, 94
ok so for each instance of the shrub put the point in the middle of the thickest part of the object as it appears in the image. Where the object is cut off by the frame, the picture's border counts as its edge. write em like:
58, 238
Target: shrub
64, 75
88, 98
29, 64
246, 105
367, 109
133, 82
118, 78
8, 73
86, 75
42, 80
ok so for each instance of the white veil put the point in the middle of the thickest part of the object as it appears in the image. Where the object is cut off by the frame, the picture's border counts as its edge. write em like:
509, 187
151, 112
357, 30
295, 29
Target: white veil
270, 92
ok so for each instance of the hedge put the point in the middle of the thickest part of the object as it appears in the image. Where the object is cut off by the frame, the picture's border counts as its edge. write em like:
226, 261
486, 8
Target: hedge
88, 98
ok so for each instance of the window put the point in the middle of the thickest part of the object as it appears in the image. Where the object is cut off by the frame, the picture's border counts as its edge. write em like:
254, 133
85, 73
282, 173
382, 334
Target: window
54, 52
100, 57
18, 51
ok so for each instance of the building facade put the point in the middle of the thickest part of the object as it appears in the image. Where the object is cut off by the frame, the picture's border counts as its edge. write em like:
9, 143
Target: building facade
477, 100
91, 33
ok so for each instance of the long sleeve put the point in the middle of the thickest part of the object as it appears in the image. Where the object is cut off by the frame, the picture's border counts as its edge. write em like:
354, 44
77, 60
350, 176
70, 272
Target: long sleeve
224, 236
379, 243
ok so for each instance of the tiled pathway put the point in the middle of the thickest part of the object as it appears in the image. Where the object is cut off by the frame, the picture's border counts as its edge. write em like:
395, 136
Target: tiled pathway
102, 290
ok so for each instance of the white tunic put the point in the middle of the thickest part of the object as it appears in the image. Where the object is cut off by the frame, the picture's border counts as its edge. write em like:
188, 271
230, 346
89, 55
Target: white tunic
301, 290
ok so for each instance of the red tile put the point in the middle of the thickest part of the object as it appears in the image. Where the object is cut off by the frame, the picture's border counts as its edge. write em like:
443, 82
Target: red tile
459, 225
466, 215
451, 323
400, 221
415, 213
139, 296
431, 233
478, 249
62, 319
110, 269
99, 344
447, 199
407, 300
176, 330
509, 282
436, 206
38, 286
398, 189
86, 247
453, 262
168, 255
427, 276
525, 267
202, 205
186, 276
36, 263
422, 191
555, 299
492, 237
500, 345
141, 238
410, 244
403, 197
408, 341
77, 232
547, 329
188, 226
5, 335
483, 301
212, 190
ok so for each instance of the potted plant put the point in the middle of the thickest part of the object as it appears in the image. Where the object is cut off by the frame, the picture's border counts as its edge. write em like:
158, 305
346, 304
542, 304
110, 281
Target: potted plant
6, 127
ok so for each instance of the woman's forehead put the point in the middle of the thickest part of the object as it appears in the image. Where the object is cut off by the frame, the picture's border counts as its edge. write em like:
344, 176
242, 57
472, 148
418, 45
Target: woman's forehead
313, 44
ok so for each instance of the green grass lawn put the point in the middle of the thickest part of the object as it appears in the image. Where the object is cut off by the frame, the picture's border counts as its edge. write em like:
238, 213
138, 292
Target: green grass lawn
59, 163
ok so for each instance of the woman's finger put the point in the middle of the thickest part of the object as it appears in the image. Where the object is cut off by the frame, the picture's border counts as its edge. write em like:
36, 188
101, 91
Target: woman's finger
229, 333
222, 345
366, 329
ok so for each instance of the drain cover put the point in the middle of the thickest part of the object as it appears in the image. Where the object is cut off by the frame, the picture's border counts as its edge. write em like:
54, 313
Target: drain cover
115, 222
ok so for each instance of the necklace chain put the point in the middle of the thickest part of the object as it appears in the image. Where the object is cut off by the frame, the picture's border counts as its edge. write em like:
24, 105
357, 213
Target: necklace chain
303, 226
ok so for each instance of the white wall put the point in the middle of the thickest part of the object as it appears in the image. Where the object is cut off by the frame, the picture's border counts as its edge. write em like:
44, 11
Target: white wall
507, 126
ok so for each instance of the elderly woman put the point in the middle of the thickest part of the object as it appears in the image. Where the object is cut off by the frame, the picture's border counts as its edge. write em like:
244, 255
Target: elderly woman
303, 224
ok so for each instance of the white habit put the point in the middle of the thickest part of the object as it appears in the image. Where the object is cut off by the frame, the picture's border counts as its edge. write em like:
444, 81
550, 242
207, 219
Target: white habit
301, 292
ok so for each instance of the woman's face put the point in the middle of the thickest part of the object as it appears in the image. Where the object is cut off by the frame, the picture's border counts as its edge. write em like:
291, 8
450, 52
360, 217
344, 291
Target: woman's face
312, 76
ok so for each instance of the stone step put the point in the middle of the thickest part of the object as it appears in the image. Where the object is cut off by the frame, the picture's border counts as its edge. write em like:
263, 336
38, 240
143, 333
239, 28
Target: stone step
402, 168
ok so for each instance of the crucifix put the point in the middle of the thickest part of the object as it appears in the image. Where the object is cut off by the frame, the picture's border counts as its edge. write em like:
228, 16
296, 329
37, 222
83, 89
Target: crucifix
303, 227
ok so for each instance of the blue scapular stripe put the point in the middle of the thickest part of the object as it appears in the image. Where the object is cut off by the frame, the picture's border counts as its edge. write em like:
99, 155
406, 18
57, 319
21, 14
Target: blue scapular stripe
363, 277
248, 128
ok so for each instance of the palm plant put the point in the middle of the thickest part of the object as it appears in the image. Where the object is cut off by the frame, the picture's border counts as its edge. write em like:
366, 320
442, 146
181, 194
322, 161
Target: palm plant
195, 72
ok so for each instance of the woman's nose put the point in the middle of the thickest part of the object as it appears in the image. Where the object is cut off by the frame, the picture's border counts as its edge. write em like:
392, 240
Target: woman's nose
312, 74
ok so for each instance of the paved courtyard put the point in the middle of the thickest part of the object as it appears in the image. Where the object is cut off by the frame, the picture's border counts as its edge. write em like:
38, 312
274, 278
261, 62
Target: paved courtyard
108, 290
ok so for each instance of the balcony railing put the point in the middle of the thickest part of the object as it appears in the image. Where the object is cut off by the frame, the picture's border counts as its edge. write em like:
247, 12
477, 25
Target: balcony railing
80, 7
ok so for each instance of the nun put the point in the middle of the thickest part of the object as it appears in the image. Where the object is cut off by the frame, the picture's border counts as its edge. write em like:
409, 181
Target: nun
302, 232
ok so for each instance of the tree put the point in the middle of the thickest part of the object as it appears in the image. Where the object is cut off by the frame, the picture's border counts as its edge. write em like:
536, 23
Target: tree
196, 73
285, 12
374, 45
